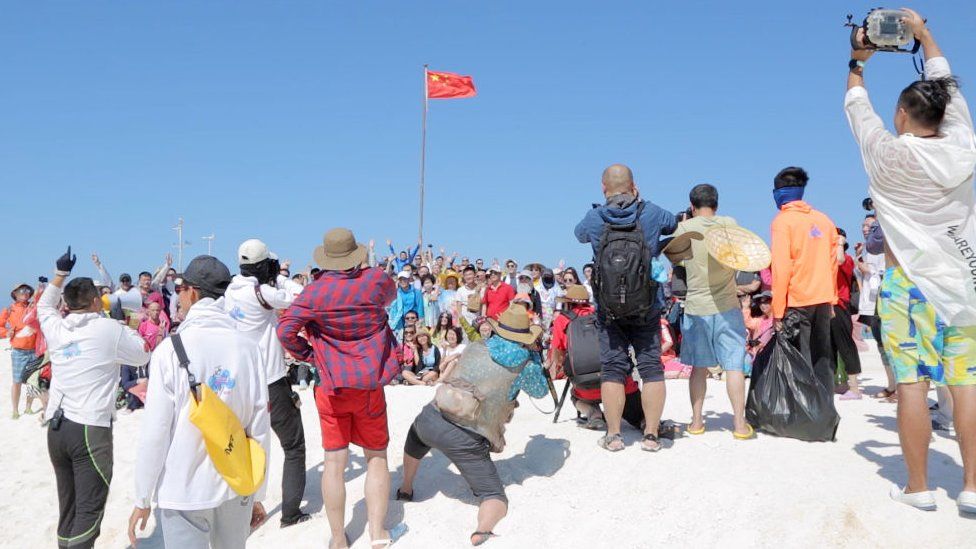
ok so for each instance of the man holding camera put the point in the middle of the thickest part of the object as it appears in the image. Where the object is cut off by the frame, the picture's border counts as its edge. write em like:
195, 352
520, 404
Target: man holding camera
921, 183
87, 352
253, 302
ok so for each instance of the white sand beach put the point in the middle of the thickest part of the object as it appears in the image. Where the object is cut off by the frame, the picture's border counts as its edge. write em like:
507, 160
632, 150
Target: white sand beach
705, 491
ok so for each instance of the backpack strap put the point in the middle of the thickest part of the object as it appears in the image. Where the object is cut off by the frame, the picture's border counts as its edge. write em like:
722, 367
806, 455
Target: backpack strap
185, 363
571, 315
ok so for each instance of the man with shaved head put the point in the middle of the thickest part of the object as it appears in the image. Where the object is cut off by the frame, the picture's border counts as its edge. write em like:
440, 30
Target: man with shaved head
626, 231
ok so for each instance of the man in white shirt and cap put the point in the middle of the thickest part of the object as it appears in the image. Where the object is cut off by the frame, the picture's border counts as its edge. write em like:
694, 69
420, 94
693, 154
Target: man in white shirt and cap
197, 505
253, 301
87, 352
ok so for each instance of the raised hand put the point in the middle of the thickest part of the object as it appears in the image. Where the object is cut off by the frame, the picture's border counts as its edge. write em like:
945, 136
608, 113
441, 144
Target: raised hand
95, 259
169, 260
67, 261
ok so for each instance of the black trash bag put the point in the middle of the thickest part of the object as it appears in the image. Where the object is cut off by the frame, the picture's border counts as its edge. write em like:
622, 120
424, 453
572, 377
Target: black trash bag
786, 398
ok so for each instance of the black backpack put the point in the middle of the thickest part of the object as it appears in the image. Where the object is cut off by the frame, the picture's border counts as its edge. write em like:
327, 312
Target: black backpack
622, 282
582, 364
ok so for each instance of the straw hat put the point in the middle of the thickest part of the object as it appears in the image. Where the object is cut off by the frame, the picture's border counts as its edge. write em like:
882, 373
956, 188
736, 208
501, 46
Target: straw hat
575, 293
679, 249
514, 325
737, 248
339, 251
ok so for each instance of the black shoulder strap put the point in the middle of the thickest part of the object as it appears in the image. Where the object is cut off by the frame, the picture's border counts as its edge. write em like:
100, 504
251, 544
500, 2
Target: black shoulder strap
184, 362
571, 315
261, 300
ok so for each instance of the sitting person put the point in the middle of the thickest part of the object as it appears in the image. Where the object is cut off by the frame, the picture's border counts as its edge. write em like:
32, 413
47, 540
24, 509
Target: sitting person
451, 350
576, 303
445, 323
465, 428
673, 368
426, 360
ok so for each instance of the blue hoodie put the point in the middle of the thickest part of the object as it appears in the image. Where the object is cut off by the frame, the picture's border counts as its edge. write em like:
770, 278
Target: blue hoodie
622, 210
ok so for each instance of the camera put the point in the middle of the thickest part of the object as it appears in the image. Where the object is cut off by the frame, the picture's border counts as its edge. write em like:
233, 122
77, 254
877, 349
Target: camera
868, 204
884, 30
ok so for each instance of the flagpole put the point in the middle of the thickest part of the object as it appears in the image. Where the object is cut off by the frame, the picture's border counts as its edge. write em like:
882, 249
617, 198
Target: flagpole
423, 159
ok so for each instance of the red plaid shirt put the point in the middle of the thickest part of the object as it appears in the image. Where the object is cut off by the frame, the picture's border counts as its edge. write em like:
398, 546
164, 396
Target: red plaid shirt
344, 315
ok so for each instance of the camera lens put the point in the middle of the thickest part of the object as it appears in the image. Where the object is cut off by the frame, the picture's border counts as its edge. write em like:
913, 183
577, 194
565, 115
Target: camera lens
868, 204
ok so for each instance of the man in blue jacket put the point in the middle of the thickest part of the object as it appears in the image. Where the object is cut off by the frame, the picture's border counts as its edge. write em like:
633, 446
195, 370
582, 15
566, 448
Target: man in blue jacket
642, 332
404, 258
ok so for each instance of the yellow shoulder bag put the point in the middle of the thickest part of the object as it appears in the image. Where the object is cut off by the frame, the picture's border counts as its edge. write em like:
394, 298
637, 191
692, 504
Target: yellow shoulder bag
237, 457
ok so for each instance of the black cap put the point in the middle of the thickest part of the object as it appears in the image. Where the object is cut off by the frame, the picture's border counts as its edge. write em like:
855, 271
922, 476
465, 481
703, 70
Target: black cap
207, 273
125, 278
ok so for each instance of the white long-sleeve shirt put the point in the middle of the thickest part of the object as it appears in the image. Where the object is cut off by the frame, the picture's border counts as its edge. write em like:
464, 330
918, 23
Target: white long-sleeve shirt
173, 462
923, 193
255, 321
87, 351
869, 282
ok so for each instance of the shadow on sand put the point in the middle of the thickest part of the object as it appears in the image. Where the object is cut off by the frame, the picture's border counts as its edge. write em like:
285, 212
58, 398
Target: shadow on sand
943, 472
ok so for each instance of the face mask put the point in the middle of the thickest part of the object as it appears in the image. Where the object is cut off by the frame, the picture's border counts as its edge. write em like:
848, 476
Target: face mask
785, 195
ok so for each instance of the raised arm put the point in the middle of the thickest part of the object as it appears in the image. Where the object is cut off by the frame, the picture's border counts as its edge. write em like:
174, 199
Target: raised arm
103, 273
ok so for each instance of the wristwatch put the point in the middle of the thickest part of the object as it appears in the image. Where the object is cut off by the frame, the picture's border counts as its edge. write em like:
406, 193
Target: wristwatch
855, 64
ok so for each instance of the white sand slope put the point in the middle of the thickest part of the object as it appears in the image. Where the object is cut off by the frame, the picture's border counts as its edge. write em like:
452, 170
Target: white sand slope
705, 491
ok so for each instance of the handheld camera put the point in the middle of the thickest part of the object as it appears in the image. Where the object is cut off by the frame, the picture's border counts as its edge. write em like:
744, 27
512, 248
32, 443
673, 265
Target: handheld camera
884, 30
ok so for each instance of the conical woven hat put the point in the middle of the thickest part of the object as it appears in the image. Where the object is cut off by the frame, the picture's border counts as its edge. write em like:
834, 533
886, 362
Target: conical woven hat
737, 248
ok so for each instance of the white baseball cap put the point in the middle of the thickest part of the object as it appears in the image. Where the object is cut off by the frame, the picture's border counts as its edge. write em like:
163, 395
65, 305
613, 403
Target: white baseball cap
404, 274
253, 251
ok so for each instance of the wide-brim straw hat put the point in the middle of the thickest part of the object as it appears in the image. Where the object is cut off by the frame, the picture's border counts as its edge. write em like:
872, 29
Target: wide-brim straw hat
737, 248
575, 293
339, 251
679, 249
514, 325
539, 266
13, 293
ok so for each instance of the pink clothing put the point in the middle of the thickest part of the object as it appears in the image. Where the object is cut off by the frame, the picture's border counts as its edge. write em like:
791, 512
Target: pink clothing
152, 332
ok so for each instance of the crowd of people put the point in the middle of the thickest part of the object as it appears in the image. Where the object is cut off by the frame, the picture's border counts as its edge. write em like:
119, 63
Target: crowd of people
203, 344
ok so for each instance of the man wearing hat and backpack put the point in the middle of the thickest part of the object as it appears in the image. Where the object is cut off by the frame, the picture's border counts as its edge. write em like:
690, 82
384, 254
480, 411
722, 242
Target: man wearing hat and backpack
625, 234
22, 339
253, 301
200, 504
586, 396
467, 418
343, 313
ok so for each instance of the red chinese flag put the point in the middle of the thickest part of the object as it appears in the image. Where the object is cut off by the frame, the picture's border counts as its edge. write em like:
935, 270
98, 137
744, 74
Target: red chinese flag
447, 85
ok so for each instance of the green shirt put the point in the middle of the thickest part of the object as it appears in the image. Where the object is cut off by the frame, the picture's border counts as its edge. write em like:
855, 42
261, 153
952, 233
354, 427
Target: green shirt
711, 285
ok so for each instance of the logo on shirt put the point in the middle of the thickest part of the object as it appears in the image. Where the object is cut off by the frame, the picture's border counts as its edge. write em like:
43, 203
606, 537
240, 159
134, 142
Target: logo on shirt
70, 350
236, 313
221, 380
815, 232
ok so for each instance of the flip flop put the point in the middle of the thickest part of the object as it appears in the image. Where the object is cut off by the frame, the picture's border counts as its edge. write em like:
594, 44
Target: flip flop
396, 533
744, 436
691, 431
404, 496
482, 537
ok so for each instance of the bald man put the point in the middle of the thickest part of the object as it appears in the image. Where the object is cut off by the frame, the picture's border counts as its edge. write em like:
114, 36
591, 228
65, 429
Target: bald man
642, 331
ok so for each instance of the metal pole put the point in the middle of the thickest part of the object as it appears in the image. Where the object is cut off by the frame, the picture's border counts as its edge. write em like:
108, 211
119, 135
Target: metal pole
423, 159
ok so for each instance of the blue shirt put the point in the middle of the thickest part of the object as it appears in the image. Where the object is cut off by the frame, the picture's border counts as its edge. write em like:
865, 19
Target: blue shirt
511, 355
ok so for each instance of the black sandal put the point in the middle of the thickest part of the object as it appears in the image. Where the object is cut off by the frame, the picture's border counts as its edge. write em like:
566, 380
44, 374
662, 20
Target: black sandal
403, 496
484, 536
651, 438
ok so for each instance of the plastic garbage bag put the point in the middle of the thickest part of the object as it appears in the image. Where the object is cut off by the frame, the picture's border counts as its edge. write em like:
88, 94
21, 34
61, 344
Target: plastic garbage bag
786, 398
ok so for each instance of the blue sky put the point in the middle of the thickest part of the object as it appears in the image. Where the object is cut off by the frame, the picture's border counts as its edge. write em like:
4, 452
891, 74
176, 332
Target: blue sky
280, 120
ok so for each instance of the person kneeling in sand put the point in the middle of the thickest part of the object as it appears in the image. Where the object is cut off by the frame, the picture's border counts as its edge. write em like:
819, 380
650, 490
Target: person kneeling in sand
467, 418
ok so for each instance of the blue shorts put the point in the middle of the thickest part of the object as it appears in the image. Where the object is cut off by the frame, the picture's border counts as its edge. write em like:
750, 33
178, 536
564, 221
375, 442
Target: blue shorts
711, 340
20, 359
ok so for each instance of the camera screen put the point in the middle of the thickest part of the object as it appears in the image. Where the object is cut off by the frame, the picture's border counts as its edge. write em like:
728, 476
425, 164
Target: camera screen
889, 26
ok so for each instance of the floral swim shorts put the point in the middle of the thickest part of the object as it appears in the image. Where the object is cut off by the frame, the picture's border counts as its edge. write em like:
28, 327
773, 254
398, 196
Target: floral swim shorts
918, 343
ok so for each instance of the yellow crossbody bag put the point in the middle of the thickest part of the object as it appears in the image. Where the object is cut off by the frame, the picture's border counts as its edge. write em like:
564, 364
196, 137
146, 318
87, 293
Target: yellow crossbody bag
238, 458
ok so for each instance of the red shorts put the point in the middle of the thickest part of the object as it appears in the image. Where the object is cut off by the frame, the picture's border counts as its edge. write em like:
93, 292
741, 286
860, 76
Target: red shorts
353, 415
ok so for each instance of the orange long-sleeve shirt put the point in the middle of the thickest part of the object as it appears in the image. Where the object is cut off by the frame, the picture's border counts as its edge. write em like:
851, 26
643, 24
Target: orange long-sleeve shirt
804, 258
22, 335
